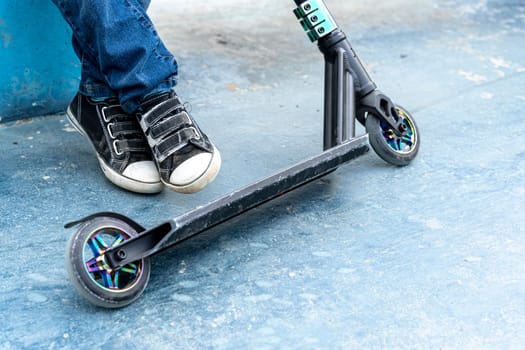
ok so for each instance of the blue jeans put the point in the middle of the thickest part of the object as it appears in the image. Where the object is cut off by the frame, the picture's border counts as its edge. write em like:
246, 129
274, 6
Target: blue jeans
121, 53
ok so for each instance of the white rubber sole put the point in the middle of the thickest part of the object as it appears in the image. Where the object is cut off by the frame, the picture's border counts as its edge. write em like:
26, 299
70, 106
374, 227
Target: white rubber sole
113, 176
202, 181
128, 183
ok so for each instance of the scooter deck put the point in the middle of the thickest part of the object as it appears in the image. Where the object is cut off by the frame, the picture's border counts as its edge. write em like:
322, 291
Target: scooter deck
231, 205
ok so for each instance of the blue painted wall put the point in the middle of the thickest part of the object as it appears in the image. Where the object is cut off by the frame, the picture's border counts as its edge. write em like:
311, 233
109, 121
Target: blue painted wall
38, 68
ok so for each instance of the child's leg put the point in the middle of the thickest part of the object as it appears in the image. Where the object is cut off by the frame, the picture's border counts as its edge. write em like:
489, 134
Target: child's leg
122, 53
121, 49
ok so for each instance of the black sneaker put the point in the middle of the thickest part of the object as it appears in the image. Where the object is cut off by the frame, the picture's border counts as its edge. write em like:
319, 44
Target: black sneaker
120, 145
186, 159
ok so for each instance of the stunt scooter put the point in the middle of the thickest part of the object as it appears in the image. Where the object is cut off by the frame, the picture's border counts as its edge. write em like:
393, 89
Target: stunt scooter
108, 258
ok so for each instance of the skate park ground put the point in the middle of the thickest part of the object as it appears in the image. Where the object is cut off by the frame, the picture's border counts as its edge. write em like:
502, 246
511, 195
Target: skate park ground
429, 256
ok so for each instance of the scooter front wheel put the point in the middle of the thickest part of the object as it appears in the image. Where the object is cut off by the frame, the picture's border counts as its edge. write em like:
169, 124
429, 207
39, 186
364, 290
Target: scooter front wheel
394, 149
89, 272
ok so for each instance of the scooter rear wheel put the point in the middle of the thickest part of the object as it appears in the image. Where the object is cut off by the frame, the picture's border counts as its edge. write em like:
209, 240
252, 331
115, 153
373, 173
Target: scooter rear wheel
394, 149
89, 272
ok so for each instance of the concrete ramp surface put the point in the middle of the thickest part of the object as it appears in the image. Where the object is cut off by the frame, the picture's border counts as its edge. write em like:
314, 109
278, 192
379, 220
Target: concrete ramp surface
429, 256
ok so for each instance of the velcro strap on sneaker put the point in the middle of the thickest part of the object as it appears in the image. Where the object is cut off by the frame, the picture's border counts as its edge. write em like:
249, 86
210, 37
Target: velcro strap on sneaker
133, 145
111, 112
175, 142
160, 111
122, 128
170, 125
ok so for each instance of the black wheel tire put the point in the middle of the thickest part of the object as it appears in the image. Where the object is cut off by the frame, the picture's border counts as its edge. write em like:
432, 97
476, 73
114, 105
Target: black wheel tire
399, 151
125, 284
